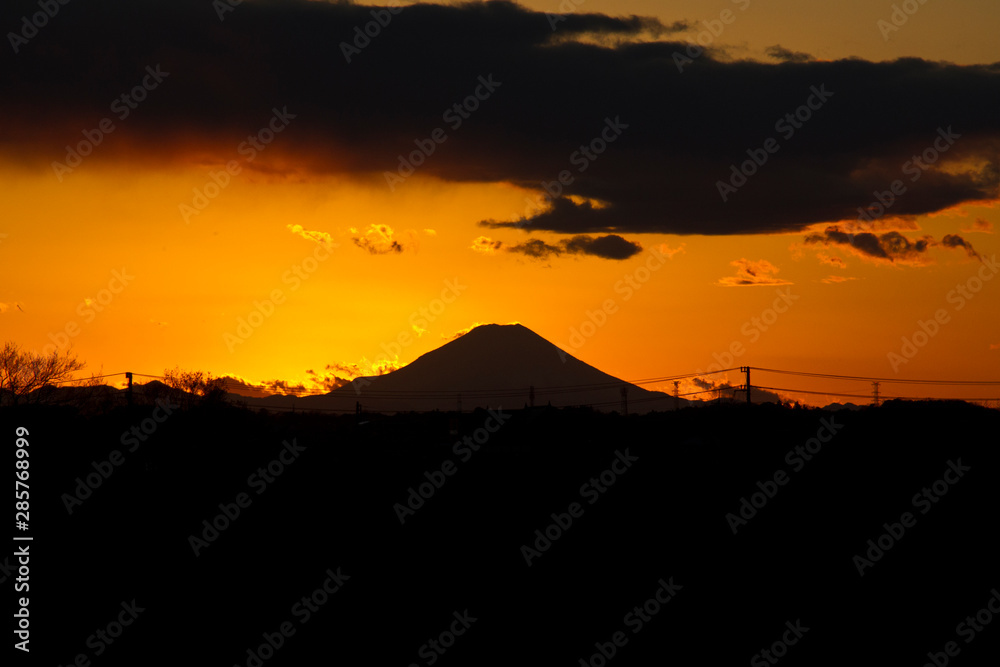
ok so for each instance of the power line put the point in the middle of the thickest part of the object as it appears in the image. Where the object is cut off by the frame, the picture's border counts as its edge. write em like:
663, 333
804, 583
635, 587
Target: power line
876, 379
868, 396
520, 392
93, 377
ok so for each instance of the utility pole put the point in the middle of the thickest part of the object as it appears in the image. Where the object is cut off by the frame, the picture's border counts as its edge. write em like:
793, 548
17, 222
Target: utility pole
875, 398
677, 396
128, 395
625, 400
531, 396
746, 369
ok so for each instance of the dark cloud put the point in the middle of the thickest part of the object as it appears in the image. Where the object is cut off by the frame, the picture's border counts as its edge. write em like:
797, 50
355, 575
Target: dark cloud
702, 383
611, 246
779, 52
956, 241
535, 248
554, 93
890, 247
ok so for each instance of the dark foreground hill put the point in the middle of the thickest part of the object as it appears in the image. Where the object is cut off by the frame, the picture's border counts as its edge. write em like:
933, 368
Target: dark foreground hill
866, 537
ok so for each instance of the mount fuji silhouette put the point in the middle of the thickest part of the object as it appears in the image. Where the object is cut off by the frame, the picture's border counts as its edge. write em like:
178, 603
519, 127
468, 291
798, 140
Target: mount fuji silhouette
493, 365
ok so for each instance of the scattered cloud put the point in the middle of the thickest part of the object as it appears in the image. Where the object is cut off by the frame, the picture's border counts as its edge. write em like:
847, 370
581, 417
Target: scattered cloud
461, 332
323, 238
611, 246
956, 241
837, 279
779, 52
670, 252
889, 248
748, 272
381, 240
235, 384
980, 225
728, 390
418, 330
486, 245
331, 377
831, 260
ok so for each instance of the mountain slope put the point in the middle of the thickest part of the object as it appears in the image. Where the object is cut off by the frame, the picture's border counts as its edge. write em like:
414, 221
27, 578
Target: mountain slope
492, 365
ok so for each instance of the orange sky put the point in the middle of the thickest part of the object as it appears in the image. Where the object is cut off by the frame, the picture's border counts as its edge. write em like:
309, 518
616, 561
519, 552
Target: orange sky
189, 283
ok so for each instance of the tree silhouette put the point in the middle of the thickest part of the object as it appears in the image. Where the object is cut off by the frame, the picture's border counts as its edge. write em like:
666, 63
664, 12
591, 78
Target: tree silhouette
197, 383
22, 372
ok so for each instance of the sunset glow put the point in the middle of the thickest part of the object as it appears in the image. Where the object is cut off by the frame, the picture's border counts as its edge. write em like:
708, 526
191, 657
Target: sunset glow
257, 240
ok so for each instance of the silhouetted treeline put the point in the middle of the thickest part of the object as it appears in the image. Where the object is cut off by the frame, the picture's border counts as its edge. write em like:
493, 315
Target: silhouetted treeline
434, 515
